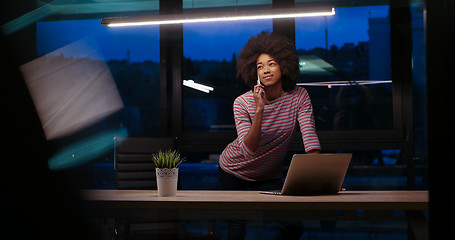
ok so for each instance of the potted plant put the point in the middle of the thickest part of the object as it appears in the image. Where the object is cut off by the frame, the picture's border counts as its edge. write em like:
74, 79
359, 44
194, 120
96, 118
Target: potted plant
167, 169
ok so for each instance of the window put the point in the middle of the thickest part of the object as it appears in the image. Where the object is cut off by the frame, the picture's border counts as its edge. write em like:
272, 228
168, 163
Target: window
346, 68
348, 76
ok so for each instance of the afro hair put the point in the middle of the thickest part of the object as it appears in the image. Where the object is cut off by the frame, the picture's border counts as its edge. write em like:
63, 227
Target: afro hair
280, 48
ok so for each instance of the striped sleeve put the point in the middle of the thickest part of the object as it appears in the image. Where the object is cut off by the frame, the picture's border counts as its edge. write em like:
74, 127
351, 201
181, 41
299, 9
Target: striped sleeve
306, 123
243, 124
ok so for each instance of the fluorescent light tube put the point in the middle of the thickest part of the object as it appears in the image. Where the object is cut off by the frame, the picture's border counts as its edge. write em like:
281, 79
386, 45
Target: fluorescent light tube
201, 87
215, 16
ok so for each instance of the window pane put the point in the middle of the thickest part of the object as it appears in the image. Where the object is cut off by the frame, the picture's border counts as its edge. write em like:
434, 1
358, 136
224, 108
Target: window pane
132, 56
210, 54
345, 66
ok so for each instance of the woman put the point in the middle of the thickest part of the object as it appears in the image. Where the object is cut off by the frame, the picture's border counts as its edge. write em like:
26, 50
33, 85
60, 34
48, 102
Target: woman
266, 119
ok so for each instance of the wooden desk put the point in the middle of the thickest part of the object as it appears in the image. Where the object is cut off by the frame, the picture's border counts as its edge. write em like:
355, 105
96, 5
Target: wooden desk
253, 205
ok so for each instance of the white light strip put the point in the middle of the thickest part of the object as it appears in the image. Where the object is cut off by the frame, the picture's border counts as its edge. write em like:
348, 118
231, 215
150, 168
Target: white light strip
203, 88
195, 18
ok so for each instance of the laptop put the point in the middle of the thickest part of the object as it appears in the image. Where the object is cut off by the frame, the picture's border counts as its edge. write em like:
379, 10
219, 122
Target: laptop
314, 174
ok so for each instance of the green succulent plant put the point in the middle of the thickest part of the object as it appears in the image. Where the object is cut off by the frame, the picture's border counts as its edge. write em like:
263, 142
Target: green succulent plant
167, 159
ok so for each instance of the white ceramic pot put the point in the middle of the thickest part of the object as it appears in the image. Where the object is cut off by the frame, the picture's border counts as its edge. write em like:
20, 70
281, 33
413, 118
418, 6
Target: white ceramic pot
166, 181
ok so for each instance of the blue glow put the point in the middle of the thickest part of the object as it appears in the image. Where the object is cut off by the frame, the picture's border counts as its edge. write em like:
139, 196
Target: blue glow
141, 43
84, 151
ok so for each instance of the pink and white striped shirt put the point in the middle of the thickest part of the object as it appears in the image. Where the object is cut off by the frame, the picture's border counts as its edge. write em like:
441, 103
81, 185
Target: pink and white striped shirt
279, 122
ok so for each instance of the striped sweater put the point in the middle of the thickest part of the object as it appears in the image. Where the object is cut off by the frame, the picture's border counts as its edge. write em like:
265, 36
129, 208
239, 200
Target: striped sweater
279, 122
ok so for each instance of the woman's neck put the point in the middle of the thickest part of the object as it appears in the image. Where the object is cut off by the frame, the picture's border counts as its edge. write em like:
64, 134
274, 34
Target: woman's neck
274, 92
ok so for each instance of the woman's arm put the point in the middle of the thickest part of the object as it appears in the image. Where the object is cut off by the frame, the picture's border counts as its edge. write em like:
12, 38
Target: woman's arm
251, 140
307, 125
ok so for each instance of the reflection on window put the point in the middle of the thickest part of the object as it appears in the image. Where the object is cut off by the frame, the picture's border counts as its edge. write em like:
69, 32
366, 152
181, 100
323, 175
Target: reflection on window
345, 66
210, 54
132, 55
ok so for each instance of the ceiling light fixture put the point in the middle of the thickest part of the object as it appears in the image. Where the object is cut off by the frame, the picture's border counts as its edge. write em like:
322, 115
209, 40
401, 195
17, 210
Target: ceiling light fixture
201, 87
216, 16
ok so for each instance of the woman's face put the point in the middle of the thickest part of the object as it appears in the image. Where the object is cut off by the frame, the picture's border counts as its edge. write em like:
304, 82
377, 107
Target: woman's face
268, 70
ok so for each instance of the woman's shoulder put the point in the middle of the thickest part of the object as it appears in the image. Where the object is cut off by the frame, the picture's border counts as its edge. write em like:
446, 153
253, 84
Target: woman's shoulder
299, 95
244, 98
299, 91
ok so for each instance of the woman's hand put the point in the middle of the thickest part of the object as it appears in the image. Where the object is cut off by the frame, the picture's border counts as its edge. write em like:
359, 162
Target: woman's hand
314, 151
259, 96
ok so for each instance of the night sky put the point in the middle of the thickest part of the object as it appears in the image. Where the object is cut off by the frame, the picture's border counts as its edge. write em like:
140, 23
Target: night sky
210, 41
